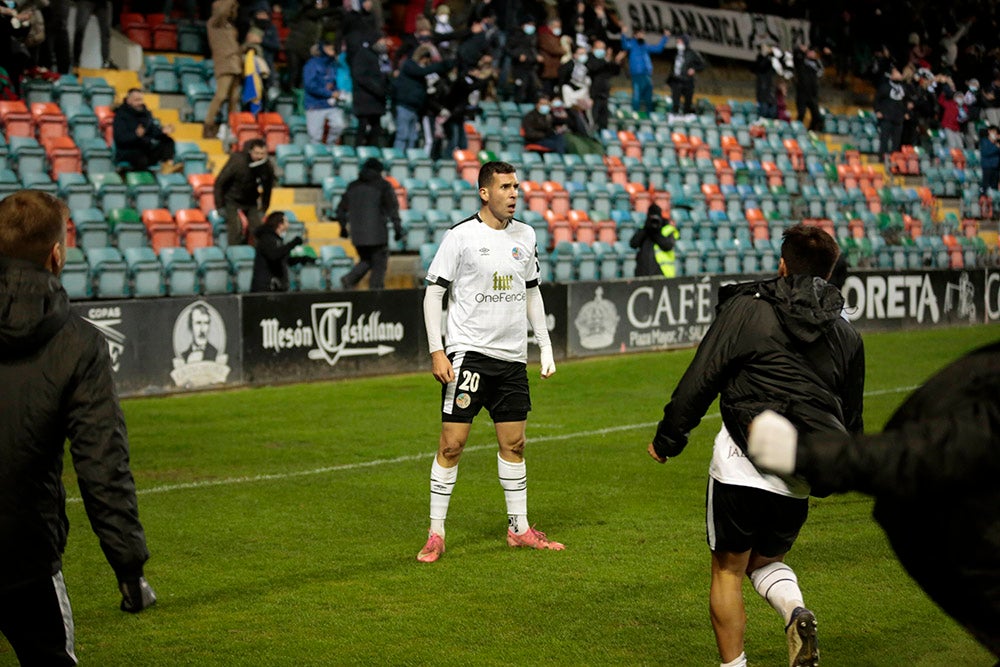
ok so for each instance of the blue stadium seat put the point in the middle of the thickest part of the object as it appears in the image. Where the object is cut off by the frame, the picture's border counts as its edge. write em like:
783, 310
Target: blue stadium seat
92, 229
176, 193
160, 75
336, 263
145, 272
180, 270
75, 276
320, 163
97, 92
291, 159
240, 259
190, 154
68, 92
26, 155
108, 273
213, 270
199, 95
111, 190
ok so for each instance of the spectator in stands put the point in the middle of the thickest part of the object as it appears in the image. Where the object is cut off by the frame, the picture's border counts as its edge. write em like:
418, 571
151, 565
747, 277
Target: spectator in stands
55, 51
654, 243
991, 100
411, 94
369, 72
602, 66
140, 141
461, 101
325, 118
891, 111
808, 71
949, 46
59, 385
422, 34
306, 29
551, 49
540, 127
952, 113
973, 102
989, 158
932, 472
269, 44
924, 112
767, 103
687, 63
482, 37
361, 25
574, 81
522, 48
443, 29
244, 185
15, 57
270, 263
226, 61
640, 66
605, 28
101, 10
364, 212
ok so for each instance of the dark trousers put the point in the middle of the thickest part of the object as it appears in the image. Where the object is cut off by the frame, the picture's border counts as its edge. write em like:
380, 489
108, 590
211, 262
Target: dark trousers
601, 112
234, 226
991, 176
37, 621
369, 130
812, 106
682, 93
890, 133
374, 258
55, 49
141, 160
84, 10
525, 85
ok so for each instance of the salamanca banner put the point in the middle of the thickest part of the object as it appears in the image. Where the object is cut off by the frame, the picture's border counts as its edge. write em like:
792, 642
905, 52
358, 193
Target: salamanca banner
714, 31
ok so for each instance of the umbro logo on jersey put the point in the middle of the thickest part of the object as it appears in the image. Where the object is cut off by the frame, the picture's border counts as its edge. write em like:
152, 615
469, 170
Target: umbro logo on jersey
484, 251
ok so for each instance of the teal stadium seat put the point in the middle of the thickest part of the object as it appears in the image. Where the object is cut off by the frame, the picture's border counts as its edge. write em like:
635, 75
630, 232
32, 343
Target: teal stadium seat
199, 95
307, 276
160, 75
97, 92
240, 259
194, 159
97, 157
145, 272
75, 190
26, 155
92, 229
108, 273
336, 263
180, 270
143, 190
110, 189
291, 160
176, 192
213, 270
75, 276
320, 164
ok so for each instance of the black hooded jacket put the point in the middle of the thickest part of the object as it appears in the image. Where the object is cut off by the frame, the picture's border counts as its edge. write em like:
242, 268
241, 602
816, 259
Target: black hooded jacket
779, 344
367, 205
57, 384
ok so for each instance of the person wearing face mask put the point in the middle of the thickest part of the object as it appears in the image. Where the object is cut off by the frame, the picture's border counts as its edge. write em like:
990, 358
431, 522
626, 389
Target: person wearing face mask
540, 127
270, 41
551, 48
603, 65
306, 27
974, 111
443, 28
325, 118
522, 48
640, 65
244, 185
891, 111
270, 263
574, 80
687, 63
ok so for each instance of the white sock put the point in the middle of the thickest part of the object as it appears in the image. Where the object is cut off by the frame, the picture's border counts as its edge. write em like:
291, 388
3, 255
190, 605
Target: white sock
777, 583
442, 483
514, 480
738, 661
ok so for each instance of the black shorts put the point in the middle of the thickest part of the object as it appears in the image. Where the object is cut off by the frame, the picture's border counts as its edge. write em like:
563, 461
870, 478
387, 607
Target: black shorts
741, 518
480, 381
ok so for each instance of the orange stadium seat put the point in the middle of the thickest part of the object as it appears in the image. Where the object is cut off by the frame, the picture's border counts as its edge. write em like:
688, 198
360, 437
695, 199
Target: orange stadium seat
630, 144
63, 154
556, 197
616, 169
638, 196
16, 119
723, 172
274, 129
203, 189
243, 125
400, 193
105, 121
195, 230
161, 228
467, 165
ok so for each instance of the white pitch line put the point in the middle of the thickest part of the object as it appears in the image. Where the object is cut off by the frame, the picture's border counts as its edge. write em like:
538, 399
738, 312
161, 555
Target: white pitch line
229, 481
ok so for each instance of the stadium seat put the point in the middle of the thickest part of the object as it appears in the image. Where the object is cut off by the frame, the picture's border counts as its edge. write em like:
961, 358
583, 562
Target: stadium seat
39, 181
306, 276
67, 91
97, 157
176, 192
165, 35
337, 264
199, 95
26, 154
213, 270
63, 155
191, 155
319, 162
144, 272
75, 190
241, 259
180, 270
291, 159
194, 228
16, 119
274, 129
160, 228
203, 191
108, 273
143, 190
97, 92
127, 228
75, 276
161, 75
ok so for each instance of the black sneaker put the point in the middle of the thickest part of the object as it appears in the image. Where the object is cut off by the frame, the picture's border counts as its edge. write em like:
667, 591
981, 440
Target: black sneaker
803, 650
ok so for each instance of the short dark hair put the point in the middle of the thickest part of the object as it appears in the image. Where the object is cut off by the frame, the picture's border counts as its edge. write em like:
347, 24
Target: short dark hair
254, 143
495, 167
31, 223
809, 251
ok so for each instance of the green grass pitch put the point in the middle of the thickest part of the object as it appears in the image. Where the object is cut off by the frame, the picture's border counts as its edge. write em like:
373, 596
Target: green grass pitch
284, 522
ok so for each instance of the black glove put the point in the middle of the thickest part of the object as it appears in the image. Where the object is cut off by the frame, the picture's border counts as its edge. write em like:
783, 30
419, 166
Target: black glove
137, 594
400, 236
297, 241
343, 231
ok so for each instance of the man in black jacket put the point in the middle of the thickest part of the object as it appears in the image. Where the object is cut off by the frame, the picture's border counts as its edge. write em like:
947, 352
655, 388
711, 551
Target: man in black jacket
891, 110
778, 344
687, 63
602, 66
371, 90
59, 369
245, 184
270, 262
933, 473
139, 139
808, 71
363, 212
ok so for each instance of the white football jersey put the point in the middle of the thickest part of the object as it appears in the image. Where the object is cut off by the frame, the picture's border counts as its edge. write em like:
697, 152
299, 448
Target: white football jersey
730, 465
487, 272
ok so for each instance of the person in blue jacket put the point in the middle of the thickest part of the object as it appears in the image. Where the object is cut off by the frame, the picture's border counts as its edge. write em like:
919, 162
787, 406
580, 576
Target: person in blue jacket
325, 119
989, 158
640, 65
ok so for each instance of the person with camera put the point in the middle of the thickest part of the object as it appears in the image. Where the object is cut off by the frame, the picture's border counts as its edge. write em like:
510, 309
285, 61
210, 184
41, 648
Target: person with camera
655, 244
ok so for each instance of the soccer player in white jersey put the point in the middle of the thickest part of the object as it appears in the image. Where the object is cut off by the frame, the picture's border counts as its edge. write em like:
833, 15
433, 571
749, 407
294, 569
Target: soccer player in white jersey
487, 264
782, 345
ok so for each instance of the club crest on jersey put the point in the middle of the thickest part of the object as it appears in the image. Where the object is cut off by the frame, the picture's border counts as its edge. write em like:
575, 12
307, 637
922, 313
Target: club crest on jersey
484, 251
516, 253
502, 283
463, 400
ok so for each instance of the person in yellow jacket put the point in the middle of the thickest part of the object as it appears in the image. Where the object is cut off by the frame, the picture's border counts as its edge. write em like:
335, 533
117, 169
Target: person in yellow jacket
655, 243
